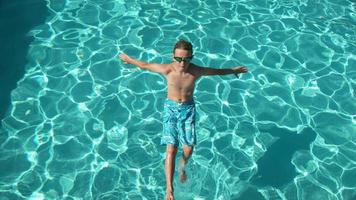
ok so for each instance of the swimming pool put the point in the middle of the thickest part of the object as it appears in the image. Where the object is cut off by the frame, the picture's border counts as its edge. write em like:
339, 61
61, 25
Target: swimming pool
82, 125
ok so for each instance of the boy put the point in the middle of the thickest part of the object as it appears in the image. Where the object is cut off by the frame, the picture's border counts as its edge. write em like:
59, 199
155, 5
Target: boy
179, 108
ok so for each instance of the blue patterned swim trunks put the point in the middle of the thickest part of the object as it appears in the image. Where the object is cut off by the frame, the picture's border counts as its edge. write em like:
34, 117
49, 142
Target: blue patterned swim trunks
178, 123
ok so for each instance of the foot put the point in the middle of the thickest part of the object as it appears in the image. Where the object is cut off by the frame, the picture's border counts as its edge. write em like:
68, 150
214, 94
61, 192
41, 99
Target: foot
182, 174
169, 195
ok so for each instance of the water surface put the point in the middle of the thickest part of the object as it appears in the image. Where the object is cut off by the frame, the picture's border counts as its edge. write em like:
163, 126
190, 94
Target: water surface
82, 125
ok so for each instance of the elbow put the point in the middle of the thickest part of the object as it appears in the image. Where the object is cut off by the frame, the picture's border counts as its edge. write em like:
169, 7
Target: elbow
143, 66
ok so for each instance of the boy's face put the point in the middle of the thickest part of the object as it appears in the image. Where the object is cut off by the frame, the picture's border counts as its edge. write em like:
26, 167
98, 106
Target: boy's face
182, 58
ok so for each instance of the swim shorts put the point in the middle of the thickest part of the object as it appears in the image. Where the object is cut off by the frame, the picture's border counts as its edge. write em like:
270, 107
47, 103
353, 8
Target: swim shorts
178, 123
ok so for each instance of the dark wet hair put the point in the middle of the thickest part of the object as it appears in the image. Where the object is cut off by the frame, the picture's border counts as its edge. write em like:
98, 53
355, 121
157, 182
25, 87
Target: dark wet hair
185, 45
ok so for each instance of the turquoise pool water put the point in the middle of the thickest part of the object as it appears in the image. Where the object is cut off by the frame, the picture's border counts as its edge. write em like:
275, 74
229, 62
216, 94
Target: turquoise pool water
82, 125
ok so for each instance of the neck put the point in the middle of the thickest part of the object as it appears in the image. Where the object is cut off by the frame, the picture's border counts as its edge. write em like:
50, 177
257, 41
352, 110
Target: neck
180, 69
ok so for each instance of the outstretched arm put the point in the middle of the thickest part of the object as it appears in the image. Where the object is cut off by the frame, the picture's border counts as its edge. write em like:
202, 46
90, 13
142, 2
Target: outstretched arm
205, 71
143, 65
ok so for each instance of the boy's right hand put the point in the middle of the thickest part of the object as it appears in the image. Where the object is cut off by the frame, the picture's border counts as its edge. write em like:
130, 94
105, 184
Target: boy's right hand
125, 58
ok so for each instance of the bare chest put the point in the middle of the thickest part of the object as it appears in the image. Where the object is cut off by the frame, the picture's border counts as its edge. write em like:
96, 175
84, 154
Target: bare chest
181, 81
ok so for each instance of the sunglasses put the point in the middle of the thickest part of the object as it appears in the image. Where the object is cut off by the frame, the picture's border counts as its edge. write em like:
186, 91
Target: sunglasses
185, 59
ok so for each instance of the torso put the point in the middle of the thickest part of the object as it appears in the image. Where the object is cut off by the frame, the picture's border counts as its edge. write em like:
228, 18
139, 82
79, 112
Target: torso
181, 84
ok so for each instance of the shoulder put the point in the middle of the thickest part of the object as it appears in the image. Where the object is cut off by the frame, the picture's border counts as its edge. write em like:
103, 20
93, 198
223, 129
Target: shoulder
196, 69
160, 68
166, 68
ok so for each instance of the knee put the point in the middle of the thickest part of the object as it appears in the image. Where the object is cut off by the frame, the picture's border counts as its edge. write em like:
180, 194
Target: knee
187, 152
171, 151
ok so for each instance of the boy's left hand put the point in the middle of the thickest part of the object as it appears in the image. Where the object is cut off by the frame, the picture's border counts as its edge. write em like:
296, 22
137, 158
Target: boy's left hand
240, 69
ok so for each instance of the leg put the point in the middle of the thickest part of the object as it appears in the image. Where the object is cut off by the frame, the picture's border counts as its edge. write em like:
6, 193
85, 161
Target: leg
187, 152
171, 153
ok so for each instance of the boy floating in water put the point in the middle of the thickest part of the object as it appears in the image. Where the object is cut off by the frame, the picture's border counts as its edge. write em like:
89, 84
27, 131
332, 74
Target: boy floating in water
179, 108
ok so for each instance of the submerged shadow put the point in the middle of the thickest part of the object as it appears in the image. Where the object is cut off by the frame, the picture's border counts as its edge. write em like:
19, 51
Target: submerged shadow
275, 167
17, 18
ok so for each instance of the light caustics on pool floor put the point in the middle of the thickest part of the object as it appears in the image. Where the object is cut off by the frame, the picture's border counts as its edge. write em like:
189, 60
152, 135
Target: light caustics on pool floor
85, 126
